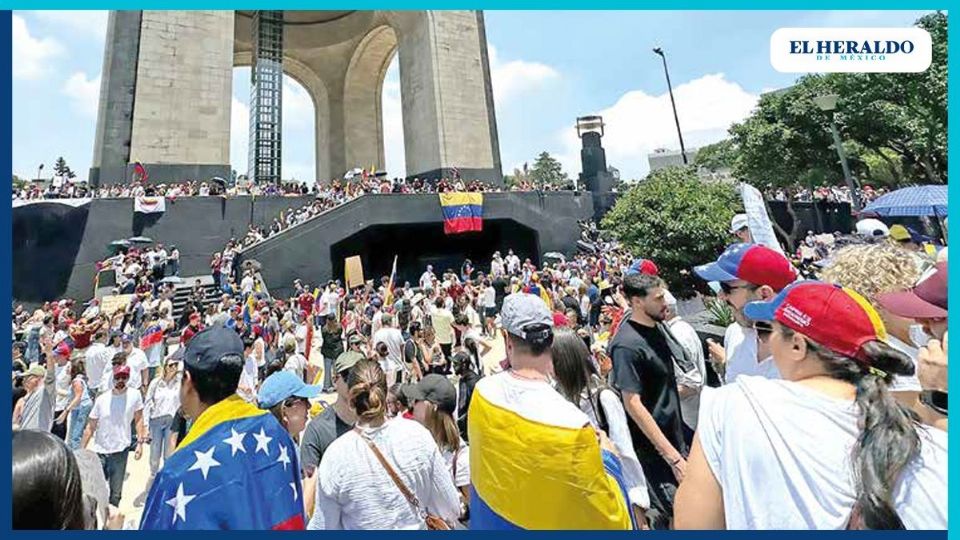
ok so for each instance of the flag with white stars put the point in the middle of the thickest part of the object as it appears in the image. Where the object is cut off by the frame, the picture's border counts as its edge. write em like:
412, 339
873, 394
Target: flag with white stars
462, 212
236, 469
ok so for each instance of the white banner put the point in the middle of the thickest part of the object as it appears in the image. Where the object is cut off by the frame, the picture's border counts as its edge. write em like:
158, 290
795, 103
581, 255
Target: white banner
149, 205
69, 202
760, 226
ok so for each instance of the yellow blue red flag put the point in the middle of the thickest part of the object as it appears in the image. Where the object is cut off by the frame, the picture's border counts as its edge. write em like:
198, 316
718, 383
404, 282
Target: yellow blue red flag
462, 212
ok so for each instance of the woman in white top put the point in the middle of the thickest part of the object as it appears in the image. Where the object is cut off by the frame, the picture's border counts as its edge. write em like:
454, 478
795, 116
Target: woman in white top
827, 447
578, 381
434, 404
355, 491
161, 404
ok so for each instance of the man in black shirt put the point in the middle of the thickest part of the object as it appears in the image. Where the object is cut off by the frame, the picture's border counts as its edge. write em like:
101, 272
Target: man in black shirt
334, 421
643, 353
500, 285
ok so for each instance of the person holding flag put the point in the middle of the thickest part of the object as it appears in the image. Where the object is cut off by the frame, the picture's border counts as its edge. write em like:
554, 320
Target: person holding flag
237, 468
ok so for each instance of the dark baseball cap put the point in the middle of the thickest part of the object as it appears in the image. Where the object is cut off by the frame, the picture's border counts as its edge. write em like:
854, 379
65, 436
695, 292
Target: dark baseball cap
926, 300
211, 345
436, 389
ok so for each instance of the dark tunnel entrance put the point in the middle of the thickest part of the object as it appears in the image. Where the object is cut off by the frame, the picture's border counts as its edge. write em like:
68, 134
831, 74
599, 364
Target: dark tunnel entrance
420, 244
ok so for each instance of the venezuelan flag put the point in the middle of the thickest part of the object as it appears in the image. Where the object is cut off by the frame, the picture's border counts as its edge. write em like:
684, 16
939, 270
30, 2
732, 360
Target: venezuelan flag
530, 475
249, 309
462, 212
237, 468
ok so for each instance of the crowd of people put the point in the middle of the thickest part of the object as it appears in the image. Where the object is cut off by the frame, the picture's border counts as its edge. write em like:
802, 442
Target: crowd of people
830, 194
382, 406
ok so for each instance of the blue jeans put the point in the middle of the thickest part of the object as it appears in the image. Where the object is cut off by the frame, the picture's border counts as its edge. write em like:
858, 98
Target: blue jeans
327, 373
78, 422
114, 469
159, 433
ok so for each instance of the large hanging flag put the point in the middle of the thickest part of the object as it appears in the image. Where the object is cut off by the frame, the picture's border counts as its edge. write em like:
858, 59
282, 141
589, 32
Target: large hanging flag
149, 205
520, 481
462, 212
237, 468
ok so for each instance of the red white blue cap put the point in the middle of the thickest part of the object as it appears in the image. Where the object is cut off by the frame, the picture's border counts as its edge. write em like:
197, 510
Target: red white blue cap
835, 317
643, 266
753, 263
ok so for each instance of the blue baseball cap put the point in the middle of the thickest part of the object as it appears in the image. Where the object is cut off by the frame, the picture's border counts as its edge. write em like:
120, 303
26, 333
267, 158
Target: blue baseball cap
282, 385
753, 263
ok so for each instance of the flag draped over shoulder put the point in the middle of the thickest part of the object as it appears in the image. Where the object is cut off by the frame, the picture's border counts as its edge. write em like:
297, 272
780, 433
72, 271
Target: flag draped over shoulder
462, 212
152, 336
530, 475
237, 468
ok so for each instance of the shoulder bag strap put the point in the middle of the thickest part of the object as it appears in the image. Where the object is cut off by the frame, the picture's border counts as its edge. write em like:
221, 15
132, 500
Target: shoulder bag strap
411, 498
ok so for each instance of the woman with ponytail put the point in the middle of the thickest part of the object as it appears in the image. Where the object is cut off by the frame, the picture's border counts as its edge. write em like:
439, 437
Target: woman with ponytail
827, 447
356, 490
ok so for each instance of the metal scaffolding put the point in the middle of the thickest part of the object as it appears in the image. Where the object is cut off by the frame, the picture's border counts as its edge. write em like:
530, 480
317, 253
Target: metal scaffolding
266, 97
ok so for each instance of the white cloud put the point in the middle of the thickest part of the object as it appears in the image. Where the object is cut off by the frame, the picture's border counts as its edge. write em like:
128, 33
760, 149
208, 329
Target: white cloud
638, 123
30, 54
239, 135
84, 92
510, 79
87, 21
298, 110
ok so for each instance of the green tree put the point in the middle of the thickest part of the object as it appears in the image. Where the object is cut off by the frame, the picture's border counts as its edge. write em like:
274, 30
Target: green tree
717, 156
60, 167
547, 170
19, 183
675, 220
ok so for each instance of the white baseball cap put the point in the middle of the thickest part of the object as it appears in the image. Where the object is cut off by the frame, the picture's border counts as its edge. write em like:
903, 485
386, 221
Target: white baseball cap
738, 222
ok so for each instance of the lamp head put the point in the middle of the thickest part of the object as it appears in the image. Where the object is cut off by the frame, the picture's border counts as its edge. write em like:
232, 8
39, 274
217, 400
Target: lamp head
826, 103
658, 50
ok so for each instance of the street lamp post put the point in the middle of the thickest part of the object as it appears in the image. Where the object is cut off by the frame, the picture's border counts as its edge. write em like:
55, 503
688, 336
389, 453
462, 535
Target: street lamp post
683, 151
828, 104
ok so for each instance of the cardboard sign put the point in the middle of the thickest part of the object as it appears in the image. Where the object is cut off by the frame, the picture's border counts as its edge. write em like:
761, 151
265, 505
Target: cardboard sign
113, 303
354, 272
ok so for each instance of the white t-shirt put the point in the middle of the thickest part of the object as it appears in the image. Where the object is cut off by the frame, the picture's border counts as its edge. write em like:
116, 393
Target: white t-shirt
246, 284
781, 454
489, 297
394, 340
463, 464
248, 379
97, 358
300, 332
137, 362
740, 345
64, 390
355, 492
296, 364
114, 413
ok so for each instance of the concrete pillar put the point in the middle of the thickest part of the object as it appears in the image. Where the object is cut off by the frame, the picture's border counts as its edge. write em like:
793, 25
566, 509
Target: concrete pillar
363, 98
448, 113
118, 79
181, 121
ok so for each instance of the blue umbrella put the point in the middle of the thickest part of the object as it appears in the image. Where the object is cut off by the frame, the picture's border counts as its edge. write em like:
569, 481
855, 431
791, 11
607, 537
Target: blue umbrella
915, 201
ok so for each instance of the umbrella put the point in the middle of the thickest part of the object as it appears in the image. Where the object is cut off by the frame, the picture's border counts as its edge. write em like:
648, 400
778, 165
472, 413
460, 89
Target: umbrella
120, 244
917, 201
251, 264
352, 172
554, 255
172, 279
140, 240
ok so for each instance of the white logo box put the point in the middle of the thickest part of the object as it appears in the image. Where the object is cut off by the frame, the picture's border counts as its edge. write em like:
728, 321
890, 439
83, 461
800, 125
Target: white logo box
850, 50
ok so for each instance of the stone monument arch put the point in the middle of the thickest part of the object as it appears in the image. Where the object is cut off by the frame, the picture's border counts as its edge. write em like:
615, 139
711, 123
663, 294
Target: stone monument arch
166, 90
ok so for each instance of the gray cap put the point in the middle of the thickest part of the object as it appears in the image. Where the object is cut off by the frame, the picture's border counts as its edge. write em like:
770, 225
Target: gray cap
524, 312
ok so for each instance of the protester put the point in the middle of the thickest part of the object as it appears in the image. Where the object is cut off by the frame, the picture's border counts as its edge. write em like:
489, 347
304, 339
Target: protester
689, 383
434, 404
746, 272
108, 427
644, 354
517, 418
79, 407
35, 409
244, 485
365, 474
579, 382
160, 406
826, 444
288, 399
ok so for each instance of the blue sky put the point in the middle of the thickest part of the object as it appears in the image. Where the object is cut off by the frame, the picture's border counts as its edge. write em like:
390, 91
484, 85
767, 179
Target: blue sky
548, 68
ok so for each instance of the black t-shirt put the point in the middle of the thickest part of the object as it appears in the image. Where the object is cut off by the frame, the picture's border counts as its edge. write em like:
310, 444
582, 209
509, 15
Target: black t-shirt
320, 433
500, 290
643, 359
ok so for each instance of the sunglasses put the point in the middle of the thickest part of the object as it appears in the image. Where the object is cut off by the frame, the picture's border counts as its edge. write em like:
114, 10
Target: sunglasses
727, 288
293, 401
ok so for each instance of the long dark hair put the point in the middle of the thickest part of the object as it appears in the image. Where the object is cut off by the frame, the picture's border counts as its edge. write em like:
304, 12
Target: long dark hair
888, 438
47, 489
571, 364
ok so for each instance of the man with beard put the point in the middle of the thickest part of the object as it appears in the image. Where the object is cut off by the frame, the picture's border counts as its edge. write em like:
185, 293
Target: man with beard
747, 273
643, 353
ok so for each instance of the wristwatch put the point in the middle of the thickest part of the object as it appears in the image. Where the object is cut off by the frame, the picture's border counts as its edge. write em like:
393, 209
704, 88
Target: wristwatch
935, 400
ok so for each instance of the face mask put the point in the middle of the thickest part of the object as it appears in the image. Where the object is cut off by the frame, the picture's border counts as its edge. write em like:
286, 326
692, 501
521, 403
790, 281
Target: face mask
919, 336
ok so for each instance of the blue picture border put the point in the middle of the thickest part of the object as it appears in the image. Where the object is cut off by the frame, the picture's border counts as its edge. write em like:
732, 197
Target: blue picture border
5, 211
